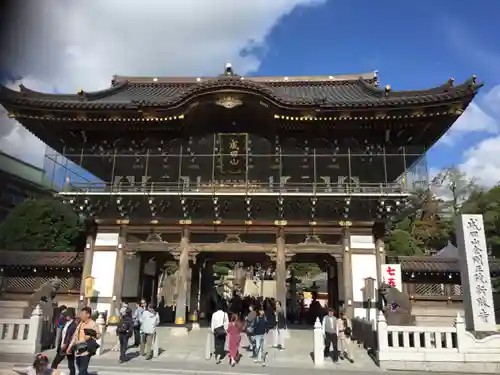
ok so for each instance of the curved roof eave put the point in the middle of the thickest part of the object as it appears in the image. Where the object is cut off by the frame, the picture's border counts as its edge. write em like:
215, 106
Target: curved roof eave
328, 96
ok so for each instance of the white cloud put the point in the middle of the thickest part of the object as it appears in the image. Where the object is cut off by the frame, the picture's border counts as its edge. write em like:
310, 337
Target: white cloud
474, 120
483, 161
65, 45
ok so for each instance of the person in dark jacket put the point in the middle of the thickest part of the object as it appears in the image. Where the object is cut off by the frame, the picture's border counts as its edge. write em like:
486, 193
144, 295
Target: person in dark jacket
67, 333
125, 330
260, 329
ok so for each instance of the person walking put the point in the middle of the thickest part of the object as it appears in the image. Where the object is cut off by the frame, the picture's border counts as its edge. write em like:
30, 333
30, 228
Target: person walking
67, 333
260, 330
124, 331
140, 307
330, 328
60, 322
149, 321
249, 328
234, 335
343, 329
280, 332
219, 326
84, 342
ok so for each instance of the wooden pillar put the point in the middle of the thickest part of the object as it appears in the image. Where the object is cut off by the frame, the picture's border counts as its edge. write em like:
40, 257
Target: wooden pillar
281, 268
378, 234
87, 266
194, 296
333, 290
119, 269
180, 310
347, 273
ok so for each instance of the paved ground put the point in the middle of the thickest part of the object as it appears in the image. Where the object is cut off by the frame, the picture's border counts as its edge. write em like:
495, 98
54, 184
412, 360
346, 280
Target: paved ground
188, 353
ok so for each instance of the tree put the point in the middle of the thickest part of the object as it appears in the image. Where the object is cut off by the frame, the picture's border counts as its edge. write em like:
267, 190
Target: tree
305, 269
455, 187
41, 224
423, 223
400, 242
223, 268
487, 203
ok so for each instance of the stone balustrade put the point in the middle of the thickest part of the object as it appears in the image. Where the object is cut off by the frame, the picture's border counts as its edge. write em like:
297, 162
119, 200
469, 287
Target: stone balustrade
22, 335
429, 348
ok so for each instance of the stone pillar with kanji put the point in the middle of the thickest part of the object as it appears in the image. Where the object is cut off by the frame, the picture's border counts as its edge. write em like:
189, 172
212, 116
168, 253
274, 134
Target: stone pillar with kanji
475, 273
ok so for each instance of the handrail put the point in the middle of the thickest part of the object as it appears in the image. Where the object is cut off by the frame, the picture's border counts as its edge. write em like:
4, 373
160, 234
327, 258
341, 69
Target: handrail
253, 187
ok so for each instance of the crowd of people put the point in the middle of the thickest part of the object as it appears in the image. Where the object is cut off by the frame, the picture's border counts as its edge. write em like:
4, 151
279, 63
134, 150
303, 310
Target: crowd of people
256, 317
230, 321
76, 342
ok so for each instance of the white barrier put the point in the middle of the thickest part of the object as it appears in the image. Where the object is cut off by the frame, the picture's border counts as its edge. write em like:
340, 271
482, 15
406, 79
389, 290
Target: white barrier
22, 335
437, 348
319, 344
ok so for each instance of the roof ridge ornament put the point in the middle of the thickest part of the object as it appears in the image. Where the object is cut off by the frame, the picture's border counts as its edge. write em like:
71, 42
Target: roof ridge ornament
228, 70
229, 102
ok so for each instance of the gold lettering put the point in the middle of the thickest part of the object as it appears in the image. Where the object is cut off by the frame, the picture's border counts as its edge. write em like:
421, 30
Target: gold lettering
234, 144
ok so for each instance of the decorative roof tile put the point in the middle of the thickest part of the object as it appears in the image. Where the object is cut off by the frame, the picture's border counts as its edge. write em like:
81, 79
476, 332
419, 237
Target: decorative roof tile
437, 264
332, 92
40, 259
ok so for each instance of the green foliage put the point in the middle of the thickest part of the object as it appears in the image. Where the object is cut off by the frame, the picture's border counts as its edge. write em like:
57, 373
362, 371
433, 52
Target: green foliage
303, 269
41, 224
223, 268
431, 223
400, 242
488, 204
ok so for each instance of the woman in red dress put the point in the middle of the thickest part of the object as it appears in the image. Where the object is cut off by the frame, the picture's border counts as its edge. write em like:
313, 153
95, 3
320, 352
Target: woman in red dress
234, 333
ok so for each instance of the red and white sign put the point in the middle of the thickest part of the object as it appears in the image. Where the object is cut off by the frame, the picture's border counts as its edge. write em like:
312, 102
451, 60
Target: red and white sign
391, 274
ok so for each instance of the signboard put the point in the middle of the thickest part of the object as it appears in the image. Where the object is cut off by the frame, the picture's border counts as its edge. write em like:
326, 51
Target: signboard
475, 273
391, 274
233, 152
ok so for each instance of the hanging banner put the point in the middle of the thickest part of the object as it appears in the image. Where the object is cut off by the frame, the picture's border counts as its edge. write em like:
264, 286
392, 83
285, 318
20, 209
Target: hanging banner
233, 152
391, 275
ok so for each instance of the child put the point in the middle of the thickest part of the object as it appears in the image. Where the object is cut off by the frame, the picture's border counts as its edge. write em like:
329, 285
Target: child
41, 366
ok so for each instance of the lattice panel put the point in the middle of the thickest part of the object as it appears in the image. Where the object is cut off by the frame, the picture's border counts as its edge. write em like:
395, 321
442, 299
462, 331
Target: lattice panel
429, 289
21, 283
456, 290
78, 283
30, 283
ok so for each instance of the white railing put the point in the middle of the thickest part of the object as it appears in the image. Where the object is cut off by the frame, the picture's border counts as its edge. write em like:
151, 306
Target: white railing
22, 335
436, 348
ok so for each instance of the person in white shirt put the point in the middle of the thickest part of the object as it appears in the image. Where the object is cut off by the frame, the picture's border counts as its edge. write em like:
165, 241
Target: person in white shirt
330, 333
219, 325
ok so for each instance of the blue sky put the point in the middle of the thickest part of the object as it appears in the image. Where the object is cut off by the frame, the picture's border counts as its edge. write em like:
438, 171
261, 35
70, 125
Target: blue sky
413, 45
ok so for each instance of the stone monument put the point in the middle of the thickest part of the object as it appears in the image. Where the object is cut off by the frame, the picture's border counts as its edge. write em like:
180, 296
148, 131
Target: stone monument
396, 306
475, 273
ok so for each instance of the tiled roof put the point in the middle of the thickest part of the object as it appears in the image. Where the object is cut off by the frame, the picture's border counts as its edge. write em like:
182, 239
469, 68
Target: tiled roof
327, 92
437, 264
40, 259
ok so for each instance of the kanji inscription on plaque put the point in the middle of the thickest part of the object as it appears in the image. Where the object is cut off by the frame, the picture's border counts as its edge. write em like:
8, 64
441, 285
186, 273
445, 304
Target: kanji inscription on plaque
475, 272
